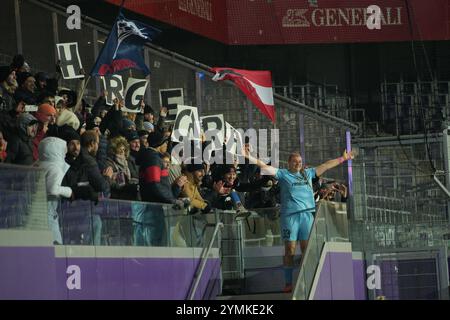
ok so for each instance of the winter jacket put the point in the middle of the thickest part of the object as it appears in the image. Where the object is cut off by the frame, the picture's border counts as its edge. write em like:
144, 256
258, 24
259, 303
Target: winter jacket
154, 179
25, 95
37, 139
129, 189
102, 152
52, 151
8, 123
99, 105
191, 190
112, 122
20, 145
8, 101
90, 168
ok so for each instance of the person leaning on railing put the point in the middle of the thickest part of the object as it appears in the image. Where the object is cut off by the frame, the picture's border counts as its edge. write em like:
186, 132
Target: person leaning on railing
148, 219
297, 202
153, 175
199, 206
124, 182
52, 151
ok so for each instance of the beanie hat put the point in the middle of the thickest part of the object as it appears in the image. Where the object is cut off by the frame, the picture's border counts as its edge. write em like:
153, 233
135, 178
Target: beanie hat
127, 123
44, 111
132, 135
69, 118
68, 134
41, 76
25, 120
148, 126
142, 133
156, 138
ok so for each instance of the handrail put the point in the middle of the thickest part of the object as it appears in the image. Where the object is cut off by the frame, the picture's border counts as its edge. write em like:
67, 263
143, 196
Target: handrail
307, 251
199, 271
320, 216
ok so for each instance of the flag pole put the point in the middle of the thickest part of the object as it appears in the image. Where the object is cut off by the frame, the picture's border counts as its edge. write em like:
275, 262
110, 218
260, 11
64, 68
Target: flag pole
81, 94
121, 6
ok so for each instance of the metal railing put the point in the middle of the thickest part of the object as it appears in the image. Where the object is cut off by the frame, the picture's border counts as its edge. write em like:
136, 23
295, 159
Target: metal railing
330, 224
203, 259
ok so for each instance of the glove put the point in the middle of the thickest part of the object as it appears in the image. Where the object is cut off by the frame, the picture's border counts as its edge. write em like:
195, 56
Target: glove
186, 202
178, 204
85, 193
207, 209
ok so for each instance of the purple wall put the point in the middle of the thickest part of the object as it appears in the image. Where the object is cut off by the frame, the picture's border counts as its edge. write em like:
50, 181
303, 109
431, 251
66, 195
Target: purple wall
359, 279
336, 278
27, 273
35, 273
389, 280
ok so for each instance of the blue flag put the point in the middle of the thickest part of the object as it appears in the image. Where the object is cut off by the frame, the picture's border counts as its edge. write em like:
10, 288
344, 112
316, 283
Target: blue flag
123, 48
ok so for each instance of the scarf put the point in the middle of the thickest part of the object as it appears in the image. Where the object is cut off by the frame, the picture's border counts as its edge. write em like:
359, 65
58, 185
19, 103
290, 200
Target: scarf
122, 166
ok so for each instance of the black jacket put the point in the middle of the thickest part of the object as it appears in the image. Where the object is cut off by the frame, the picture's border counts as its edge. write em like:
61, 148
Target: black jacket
20, 145
85, 169
25, 95
7, 101
20, 149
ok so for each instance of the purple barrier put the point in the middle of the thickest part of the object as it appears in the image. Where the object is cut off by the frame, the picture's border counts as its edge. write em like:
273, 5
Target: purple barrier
336, 278
35, 273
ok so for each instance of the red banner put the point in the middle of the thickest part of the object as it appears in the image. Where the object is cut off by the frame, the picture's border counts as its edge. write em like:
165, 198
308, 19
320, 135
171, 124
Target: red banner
301, 21
204, 17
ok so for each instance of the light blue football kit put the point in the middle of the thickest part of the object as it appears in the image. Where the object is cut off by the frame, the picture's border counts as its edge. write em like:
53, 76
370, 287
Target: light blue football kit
297, 203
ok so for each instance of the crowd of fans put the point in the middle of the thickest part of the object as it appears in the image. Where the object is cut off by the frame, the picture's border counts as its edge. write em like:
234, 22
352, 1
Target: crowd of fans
99, 151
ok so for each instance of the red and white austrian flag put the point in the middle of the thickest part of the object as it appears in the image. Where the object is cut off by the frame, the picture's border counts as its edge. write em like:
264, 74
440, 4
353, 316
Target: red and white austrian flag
256, 85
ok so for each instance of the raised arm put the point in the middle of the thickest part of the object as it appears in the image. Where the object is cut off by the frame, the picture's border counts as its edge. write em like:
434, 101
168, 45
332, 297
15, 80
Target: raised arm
330, 164
265, 168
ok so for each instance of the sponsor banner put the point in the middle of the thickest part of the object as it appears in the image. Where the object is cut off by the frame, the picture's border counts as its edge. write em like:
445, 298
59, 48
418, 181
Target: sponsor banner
300, 21
205, 17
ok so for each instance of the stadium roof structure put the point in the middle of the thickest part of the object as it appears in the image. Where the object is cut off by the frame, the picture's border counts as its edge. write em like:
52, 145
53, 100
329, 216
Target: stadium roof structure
257, 22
